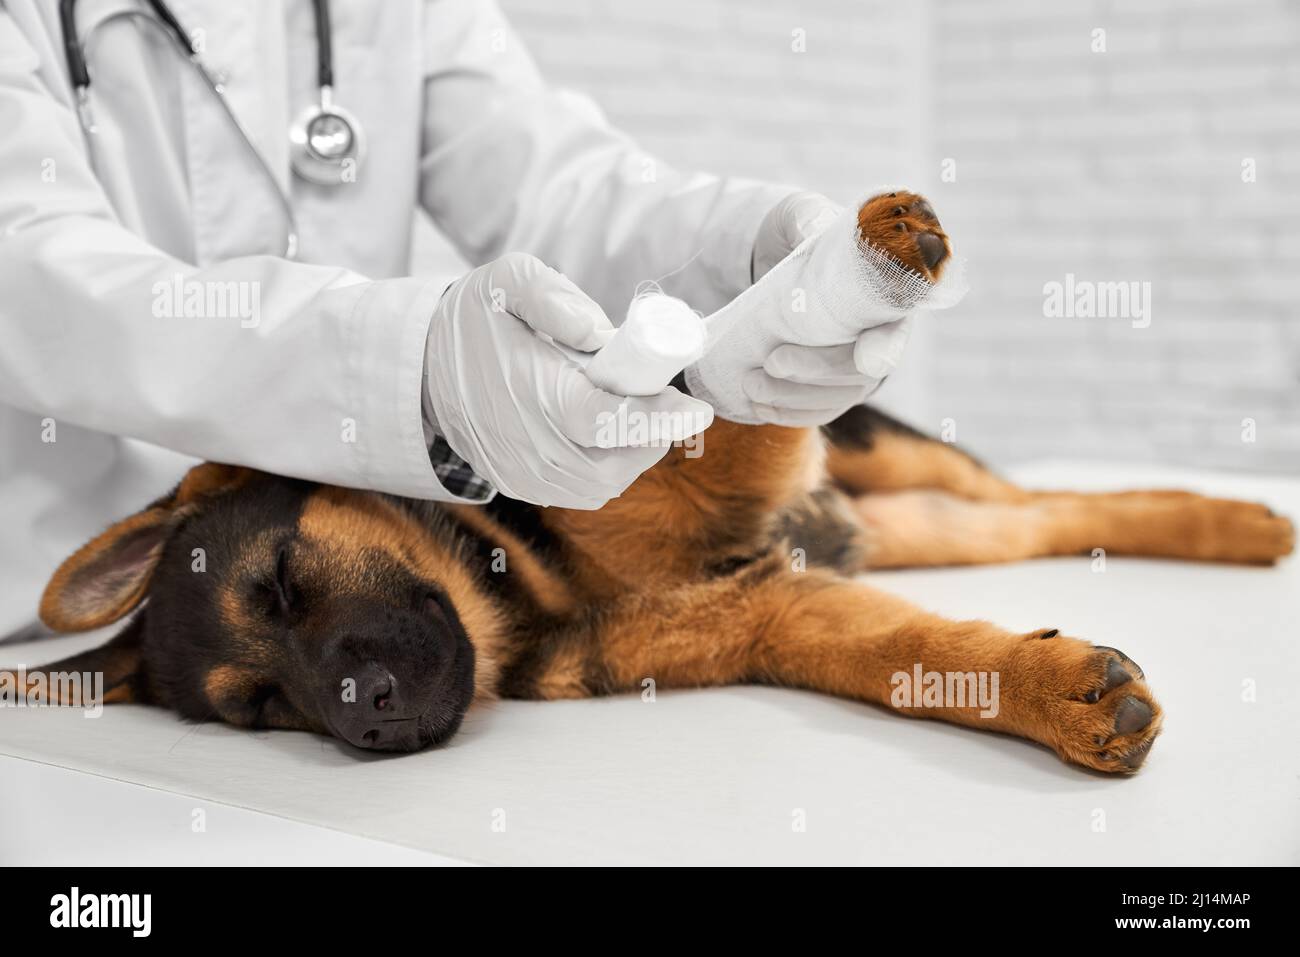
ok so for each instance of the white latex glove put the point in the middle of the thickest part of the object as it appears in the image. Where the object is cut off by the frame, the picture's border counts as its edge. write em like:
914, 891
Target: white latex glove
812, 385
520, 412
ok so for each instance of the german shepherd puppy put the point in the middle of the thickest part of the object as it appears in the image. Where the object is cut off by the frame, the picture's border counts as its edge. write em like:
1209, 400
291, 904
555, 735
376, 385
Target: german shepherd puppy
268, 602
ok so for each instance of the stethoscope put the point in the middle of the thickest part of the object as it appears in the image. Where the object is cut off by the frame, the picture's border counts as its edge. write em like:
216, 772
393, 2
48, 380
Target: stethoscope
326, 142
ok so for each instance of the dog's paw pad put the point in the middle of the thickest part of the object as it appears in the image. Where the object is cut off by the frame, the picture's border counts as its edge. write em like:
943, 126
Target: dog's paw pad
1090, 703
1113, 724
905, 226
1133, 714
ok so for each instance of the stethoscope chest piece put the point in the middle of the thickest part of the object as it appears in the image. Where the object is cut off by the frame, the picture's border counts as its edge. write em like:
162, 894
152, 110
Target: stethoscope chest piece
326, 143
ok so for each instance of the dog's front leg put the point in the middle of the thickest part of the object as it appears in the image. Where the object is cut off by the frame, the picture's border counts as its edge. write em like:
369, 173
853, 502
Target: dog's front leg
699, 507
768, 624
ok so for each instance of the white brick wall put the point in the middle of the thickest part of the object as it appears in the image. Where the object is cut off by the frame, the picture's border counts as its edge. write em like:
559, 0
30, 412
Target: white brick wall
1122, 165
715, 84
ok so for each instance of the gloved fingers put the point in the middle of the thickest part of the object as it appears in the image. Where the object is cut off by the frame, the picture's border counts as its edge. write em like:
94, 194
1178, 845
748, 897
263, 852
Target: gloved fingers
593, 418
542, 491
621, 467
814, 365
878, 351
587, 478
545, 468
548, 301
812, 213
787, 224
796, 417
763, 389
583, 485
655, 421
520, 411
861, 365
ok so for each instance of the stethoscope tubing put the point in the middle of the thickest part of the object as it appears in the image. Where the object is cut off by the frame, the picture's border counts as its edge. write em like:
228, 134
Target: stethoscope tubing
77, 52
89, 130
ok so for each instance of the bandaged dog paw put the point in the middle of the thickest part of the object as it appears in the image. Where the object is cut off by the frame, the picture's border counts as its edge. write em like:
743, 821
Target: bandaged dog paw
820, 330
904, 225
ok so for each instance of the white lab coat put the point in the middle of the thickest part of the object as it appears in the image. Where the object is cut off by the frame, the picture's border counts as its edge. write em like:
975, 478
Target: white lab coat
103, 401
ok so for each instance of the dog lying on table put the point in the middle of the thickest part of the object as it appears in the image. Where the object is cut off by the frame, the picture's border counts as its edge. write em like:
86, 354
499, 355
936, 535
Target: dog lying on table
382, 620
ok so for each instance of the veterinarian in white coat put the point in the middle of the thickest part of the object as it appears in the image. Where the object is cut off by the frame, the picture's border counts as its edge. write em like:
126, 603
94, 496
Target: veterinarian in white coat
115, 366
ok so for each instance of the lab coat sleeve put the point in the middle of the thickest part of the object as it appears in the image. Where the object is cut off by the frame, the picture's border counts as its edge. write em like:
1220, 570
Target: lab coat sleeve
302, 370
511, 164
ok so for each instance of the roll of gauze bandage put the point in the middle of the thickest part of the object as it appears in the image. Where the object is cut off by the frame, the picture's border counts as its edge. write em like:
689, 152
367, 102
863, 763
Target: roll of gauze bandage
660, 337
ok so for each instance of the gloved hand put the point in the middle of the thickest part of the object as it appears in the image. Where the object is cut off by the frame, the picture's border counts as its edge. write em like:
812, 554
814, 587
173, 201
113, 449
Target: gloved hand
519, 411
811, 385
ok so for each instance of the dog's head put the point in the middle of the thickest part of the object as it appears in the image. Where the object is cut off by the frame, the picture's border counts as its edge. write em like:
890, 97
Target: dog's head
273, 603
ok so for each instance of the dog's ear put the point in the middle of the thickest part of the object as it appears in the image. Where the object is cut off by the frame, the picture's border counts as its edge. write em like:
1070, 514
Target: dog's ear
108, 576
119, 661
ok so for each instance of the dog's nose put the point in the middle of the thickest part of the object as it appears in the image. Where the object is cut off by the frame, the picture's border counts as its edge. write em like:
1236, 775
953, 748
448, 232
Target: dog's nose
933, 250
369, 712
377, 688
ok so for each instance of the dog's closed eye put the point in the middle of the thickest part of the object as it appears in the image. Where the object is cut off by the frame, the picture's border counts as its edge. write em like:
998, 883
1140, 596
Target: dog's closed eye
284, 598
437, 605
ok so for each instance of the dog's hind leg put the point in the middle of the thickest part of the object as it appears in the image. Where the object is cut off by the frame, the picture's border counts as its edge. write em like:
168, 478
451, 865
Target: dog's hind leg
924, 502
766, 624
867, 451
916, 528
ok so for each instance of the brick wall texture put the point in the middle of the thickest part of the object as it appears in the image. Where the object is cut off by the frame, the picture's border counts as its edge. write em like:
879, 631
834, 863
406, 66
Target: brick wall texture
1140, 142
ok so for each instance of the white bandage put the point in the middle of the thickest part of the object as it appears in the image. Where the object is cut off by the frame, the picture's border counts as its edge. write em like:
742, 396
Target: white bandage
825, 293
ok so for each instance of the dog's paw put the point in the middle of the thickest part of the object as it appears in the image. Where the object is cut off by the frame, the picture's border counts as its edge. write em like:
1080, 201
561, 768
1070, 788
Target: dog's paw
1245, 532
1187, 525
904, 225
1090, 703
